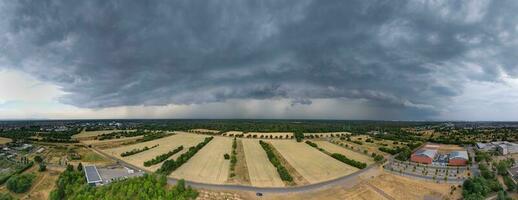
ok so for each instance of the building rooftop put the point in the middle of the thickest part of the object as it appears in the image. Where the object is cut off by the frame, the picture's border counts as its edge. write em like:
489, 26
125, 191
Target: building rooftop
426, 152
459, 155
92, 175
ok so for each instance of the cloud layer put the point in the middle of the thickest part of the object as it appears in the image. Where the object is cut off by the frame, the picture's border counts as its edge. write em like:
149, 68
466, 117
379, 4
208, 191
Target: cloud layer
411, 57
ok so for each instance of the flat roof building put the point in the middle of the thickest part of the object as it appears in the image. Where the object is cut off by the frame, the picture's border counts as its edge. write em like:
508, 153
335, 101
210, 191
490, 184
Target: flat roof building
458, 158
92, 175
425, 156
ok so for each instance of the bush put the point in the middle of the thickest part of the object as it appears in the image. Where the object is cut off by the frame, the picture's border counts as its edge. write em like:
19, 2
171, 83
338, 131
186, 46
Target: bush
42, 167
299, 136
38, 159
162, 157
6, 196
20, 183
344, 159
226, 156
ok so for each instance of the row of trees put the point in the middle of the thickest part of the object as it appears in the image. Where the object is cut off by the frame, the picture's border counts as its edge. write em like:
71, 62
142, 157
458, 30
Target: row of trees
233, 157
344, 159
72, 185
162, 157
283, 172
135, 151
170, 165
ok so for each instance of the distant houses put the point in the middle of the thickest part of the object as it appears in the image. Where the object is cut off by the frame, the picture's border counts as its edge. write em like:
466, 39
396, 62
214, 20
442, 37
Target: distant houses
502, 147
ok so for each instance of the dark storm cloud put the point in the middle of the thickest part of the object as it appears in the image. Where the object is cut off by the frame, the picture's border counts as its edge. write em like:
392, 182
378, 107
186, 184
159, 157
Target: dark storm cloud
408, 56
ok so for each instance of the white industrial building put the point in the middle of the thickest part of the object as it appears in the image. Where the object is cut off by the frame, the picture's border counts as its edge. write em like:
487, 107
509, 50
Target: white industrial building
503, 147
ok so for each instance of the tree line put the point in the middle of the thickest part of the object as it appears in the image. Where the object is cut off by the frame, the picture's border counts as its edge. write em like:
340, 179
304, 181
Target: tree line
162, 157
135, 151
283, 172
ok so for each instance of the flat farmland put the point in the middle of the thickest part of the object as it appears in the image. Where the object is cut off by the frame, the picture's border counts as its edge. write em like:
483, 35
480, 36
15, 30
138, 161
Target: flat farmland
333, 148
88, 134
262, 173
165, 145
208, 165
5, 140
312, 164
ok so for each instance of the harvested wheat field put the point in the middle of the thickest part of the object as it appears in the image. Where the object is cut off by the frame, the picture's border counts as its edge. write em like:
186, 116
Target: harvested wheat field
312, 164
165, 145
399, 187
111, 141
90, 134
333, 148
262, 173
208, 165
5, 140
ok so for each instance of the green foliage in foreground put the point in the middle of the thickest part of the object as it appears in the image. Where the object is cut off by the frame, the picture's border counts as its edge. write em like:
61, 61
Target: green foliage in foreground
283, 172
478, 187
6, 196
20, 183
72, 185
349, 161
170, 165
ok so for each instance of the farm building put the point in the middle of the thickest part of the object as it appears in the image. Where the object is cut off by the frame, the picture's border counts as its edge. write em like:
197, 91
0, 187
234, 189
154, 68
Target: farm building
458, 158
92, 175
425, 156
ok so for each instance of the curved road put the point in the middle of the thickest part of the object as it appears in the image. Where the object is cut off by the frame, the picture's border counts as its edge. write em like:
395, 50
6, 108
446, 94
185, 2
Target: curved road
303, 188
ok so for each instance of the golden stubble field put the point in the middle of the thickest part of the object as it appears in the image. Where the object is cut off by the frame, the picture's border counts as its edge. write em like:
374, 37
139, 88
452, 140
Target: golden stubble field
208, 165
333, 148
165, 145
312, 164
383, 186
5, 140
262, 173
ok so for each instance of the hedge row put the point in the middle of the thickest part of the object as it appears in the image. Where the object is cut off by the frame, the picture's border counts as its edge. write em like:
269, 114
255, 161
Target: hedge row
283, 172
135, 151
170, 165
162, 157
348, 161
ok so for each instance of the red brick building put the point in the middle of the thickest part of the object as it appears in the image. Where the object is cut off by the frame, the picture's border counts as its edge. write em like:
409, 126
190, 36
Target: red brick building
423, 156
458, 158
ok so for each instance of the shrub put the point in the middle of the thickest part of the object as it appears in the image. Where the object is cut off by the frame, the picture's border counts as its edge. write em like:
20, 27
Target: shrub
20, 183
226, 156
299, 136
38, 159
42, 167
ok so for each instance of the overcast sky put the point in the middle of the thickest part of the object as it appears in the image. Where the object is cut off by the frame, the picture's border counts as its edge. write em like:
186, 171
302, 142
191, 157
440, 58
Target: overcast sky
389, 60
